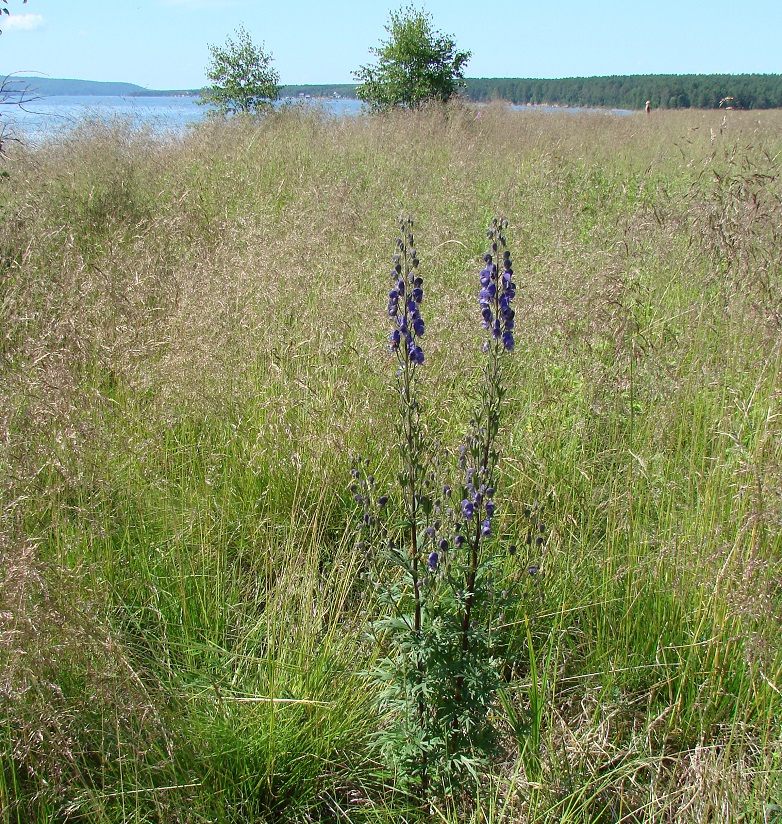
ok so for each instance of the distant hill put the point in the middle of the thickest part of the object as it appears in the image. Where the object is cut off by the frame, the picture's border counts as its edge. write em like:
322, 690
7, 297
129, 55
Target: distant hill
56, 87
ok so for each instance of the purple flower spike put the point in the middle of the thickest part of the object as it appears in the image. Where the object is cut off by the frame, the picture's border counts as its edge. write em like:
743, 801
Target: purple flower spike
404, 298
468, 509
433, 561
497, 290
486, 529
490, 508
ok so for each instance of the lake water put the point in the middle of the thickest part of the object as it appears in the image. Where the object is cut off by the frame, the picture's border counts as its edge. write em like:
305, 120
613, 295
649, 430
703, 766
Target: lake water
50, 116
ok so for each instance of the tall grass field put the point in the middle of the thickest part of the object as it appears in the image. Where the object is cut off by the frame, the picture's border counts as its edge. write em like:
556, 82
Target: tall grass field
193, 344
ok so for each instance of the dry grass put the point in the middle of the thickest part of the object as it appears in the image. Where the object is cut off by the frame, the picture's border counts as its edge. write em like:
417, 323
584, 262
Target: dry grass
193, 340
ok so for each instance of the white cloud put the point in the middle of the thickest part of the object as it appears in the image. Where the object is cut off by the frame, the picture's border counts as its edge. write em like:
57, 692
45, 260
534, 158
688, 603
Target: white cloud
22, 22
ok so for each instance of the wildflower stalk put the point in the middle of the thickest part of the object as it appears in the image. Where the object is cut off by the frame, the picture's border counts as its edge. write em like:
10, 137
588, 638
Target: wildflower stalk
495, 296
404, 300
440, 673
403, 308
492, 399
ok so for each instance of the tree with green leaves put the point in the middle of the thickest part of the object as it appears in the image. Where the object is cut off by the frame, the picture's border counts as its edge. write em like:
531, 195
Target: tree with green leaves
242, 75
416, 65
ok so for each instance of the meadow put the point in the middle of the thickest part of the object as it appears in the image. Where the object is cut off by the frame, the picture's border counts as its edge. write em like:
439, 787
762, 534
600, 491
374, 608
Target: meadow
194, 343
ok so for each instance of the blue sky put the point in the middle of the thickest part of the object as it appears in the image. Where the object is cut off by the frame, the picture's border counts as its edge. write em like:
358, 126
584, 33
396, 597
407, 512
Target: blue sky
163, 44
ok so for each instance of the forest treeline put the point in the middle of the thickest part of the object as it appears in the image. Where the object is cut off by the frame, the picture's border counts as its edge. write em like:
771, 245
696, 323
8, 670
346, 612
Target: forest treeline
664, 91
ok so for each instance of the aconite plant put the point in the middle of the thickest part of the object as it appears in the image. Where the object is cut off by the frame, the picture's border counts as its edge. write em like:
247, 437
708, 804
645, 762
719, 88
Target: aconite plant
433, 550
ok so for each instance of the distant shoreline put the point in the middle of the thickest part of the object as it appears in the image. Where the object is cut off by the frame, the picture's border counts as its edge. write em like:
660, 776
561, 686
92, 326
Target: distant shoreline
743, 91
20, 85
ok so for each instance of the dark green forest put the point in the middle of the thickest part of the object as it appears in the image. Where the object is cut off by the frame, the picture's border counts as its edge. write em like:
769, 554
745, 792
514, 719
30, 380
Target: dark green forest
664, 91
